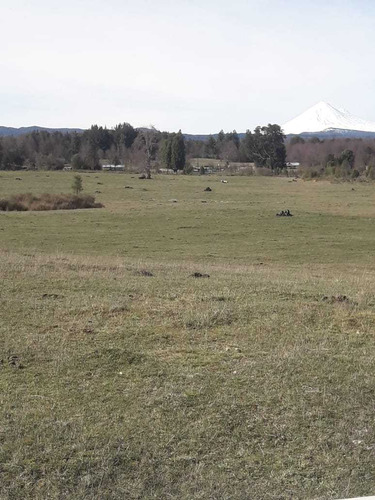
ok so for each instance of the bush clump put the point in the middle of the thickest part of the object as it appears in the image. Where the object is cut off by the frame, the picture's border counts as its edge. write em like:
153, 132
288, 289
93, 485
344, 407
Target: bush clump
28, 201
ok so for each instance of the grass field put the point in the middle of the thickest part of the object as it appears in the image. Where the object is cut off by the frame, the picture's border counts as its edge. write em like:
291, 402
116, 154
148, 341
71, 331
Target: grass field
257, 382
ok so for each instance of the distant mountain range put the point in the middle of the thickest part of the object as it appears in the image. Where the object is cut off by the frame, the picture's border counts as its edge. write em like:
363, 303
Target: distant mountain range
204, 137
11, 131
8, 131
322, 120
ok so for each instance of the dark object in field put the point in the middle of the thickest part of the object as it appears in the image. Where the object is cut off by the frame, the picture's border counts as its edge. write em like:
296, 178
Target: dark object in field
200, 275
143, 176
284, 213
18, 179
208, 189
14, 361
337, 298
100, 183
97, 192
51, 296
128, 187
144, 272
27, 201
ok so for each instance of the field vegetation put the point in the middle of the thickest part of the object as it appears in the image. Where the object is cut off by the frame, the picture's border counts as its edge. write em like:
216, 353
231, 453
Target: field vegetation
46, 201
180, 343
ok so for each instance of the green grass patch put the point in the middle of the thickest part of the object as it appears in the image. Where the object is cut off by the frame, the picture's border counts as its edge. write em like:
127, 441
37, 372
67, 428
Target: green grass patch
124, 376
237, 223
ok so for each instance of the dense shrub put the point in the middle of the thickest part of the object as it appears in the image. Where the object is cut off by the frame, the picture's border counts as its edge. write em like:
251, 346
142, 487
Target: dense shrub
11, 204
28, 201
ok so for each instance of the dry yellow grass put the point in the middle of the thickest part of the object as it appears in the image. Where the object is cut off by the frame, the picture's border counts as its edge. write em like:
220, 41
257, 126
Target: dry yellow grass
247, 383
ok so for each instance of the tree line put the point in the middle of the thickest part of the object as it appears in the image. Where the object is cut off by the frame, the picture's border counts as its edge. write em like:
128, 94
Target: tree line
339, 157
140, 148
88, 150
265, 147
146, 148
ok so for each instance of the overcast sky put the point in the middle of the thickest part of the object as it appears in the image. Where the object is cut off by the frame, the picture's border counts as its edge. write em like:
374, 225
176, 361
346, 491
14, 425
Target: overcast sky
195, 65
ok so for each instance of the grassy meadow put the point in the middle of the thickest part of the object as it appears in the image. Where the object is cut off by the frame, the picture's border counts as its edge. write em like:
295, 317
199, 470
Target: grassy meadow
123, 376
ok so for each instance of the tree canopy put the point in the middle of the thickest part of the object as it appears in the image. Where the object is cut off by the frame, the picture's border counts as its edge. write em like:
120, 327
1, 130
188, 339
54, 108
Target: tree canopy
265, 147
173, 151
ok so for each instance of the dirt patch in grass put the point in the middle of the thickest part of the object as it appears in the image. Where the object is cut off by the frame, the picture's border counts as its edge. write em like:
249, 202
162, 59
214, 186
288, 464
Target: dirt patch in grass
27, 201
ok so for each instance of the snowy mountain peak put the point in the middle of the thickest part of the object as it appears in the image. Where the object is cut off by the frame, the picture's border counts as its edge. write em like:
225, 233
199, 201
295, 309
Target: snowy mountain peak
322, 117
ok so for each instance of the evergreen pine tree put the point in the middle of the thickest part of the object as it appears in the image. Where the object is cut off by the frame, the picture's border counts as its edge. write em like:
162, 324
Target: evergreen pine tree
77, 184
166, 152
178, 152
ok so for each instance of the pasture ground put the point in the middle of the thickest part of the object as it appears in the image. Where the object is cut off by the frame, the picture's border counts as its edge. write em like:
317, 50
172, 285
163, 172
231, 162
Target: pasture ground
257, 382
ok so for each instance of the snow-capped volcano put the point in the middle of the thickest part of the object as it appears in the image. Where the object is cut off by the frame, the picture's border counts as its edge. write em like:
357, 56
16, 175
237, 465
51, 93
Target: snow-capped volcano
323, 117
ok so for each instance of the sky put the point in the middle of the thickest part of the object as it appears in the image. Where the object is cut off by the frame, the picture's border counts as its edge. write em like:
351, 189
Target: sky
195, 65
